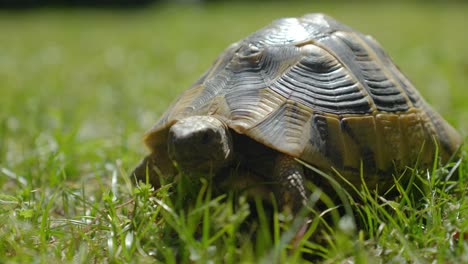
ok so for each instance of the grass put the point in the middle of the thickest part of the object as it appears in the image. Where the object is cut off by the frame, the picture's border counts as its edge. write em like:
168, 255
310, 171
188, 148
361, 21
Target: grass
79, 87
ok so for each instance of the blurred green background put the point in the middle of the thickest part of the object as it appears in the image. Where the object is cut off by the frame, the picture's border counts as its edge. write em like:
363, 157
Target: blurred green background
84, 84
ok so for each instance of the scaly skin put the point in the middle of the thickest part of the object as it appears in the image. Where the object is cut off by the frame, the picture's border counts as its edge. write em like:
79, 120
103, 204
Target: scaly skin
290, 179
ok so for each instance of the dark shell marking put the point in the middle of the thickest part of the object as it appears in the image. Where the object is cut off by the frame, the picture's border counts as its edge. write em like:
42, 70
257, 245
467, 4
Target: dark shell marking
317, 90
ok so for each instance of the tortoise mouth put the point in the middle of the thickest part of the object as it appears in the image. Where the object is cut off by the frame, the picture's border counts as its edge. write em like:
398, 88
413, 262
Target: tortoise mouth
199, 166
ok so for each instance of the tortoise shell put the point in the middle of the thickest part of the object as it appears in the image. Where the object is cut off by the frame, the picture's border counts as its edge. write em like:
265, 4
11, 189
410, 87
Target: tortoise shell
317, 90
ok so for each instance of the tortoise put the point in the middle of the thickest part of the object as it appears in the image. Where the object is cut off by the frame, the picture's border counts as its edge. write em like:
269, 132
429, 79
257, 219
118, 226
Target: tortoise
309, 89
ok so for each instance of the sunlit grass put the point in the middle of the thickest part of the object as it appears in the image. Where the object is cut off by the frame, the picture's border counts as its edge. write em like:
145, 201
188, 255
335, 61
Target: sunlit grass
79, 87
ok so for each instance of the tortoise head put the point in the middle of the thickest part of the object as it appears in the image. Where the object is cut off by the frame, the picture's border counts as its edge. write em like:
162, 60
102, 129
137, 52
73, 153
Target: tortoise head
200, 144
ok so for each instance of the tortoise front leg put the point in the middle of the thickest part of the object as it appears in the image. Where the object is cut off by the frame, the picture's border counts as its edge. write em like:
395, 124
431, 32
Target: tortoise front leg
146, 172
290, 189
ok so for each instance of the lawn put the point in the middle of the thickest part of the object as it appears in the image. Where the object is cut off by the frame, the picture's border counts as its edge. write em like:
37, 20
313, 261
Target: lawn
78, 88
